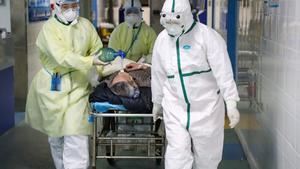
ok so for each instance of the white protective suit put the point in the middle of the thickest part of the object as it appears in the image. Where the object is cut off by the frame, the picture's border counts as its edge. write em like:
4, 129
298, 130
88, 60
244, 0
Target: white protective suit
191, 78
70, 152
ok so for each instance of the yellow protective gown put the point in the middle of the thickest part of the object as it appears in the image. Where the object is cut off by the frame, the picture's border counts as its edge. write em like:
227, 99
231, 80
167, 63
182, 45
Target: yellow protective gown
122, 37
67, 50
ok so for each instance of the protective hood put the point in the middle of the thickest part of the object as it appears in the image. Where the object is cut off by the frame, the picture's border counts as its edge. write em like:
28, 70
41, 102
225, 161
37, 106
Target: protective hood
176, 16
68, 17
60, 2
132, 3
133, 12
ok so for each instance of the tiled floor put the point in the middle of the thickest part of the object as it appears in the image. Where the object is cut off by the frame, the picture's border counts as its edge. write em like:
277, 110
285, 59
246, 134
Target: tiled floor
24, 148
233, 155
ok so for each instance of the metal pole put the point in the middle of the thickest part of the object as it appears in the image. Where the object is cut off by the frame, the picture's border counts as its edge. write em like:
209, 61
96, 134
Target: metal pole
121, 115
94, 152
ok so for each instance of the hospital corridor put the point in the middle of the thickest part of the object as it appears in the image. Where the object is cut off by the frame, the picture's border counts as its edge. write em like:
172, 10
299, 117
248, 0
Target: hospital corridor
150, 84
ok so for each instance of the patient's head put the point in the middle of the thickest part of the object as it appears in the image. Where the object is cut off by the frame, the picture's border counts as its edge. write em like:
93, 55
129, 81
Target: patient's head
123, 85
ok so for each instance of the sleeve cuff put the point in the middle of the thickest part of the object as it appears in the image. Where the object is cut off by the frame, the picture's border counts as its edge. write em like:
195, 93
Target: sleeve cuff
231, 104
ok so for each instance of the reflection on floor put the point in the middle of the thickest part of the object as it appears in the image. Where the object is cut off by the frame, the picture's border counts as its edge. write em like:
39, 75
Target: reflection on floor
19, 117
25, 148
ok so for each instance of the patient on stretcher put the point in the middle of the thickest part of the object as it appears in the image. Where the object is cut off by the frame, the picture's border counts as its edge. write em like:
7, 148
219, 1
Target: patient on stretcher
131, 89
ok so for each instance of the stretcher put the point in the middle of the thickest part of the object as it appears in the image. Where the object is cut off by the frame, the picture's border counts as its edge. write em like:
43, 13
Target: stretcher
114, 128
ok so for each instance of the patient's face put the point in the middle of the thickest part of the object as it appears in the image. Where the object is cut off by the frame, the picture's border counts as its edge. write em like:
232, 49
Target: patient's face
123, 85
124, 77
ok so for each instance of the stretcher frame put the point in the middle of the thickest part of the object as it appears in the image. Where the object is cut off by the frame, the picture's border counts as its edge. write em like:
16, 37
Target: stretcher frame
98, 136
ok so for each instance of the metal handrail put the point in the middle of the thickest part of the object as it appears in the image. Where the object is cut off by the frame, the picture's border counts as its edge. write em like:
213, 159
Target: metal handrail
121, 115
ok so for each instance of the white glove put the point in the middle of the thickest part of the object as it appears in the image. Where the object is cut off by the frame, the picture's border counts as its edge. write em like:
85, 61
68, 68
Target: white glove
93, 76
146, 59
115, 66
232, 113
157, 111
97, 61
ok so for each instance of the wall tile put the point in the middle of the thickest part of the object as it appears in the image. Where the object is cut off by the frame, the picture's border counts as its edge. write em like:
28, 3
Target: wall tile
279, 85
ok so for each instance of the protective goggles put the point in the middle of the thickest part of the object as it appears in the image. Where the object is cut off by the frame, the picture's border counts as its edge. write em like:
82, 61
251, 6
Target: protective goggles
66, 6
133, 10
172, 18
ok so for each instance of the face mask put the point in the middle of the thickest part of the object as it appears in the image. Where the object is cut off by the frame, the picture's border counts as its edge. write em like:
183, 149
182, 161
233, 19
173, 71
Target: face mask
133, 20
71, 14
134, 92
128, 91
173, 29
173, 23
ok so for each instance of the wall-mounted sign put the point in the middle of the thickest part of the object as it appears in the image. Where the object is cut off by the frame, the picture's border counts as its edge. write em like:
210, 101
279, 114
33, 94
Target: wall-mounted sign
270, 6
39, 10
274, 3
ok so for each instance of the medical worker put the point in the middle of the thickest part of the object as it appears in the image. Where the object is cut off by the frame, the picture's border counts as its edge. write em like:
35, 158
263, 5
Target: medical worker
133, 36
57, 102
191, 78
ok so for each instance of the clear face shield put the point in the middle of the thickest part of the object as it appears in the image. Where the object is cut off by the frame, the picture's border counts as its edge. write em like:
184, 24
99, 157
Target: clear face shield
133, 16
172, 22
132, 10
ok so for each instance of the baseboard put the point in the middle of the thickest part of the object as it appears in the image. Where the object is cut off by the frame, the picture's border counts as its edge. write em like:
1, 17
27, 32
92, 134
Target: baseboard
251, 160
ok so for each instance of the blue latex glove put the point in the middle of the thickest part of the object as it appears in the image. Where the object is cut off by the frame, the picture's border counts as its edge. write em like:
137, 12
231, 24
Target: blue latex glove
102, 107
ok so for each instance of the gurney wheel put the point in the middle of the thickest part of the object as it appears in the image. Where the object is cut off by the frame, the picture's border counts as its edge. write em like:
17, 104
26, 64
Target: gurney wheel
111, 161
158, 153
158, 150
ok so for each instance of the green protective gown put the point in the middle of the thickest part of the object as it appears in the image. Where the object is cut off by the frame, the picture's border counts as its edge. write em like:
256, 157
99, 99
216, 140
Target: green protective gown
123, 36
68, 50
